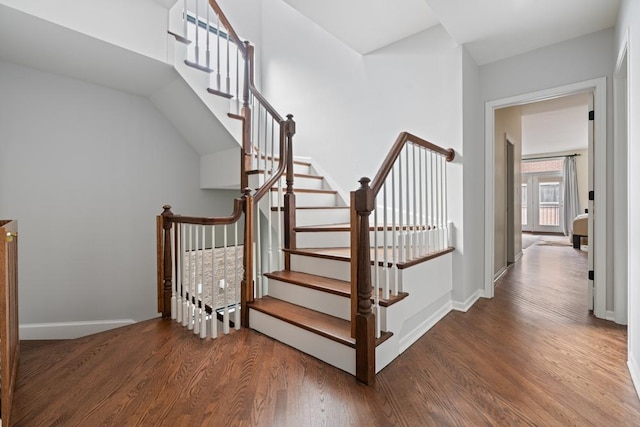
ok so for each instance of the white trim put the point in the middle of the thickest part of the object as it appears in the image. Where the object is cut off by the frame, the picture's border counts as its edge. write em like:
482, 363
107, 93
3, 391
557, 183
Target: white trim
598, 86
634, 370
412, 336
464, 306
69, 330
610, 315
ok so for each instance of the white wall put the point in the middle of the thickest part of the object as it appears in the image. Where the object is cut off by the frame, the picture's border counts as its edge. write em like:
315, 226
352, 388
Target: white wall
584, 58
629, 24
85, 170
466, 288
140, 25
350, 108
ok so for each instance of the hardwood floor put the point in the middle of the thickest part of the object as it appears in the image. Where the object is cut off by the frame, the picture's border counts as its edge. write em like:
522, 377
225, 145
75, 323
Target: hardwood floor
530, 356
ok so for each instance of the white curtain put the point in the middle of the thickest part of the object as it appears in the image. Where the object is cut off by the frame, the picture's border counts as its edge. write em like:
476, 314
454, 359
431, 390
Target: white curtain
571, 203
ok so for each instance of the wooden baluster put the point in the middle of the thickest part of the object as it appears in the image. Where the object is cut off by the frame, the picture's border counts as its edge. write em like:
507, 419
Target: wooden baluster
166, 291
289, 197
365, 319
247, 281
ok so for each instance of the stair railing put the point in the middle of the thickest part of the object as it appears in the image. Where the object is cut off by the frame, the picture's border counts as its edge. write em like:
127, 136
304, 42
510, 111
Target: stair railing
266, 154
408, 200
9, 336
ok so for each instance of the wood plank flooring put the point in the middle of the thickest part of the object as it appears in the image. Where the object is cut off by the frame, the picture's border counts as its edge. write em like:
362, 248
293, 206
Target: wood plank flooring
530, 356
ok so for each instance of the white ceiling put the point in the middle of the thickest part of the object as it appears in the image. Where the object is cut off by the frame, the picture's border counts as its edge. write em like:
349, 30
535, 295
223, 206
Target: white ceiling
490, 29
555, 125
367, 25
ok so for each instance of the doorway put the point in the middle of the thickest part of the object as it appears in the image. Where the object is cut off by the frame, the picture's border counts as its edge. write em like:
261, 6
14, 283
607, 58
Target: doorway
598, 88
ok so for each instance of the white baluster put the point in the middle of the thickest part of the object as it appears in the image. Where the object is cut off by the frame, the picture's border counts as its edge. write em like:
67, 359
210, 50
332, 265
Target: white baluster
218, 53
258, 257
448, 240
214, 290
228, 74
203, 309
385, 241
394, 240
208, 29
174, 273
197, 33
225, 321
421, 222
197, 285
401, 252
238, 291
414, 204
376, 267
185, 21
180, 271
408, 242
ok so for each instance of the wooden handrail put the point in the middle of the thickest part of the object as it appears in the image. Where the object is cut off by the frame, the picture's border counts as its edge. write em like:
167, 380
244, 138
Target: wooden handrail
287, 130
227, 25
238, 209
395, 151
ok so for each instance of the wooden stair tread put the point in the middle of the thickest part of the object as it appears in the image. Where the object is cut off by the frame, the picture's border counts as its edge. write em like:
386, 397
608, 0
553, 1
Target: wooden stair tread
179, 38
330, 327
320, 283
219, 93
344, 254
329, 285
198, 66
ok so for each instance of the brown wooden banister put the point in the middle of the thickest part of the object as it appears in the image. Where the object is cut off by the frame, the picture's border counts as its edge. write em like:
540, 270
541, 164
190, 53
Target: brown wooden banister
395, 151
223, 19
363, 203
238, 209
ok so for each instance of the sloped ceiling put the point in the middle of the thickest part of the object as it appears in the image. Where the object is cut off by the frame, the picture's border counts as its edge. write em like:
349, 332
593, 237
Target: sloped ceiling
490, 29
368, 25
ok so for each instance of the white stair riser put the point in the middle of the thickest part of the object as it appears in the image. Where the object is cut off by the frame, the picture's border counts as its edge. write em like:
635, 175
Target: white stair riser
302, 169
342, 239
306, 217
334, 305
308, 199
322, 216
341, 270
336, 354
299, 183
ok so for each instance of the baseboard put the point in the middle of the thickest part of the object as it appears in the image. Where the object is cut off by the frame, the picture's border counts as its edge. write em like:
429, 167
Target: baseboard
517, 257
464, 306
68, 330
634, 370
610, 315
413, 336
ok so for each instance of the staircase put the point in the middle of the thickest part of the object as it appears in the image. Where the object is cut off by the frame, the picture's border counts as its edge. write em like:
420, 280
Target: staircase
316, 275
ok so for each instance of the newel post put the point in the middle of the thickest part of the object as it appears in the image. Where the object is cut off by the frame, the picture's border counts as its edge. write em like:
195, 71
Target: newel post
246, 291
245, 112
365, 318
289, 197
166, 261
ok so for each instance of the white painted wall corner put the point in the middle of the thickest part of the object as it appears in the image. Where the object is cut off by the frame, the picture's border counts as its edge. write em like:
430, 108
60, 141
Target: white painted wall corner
464, 306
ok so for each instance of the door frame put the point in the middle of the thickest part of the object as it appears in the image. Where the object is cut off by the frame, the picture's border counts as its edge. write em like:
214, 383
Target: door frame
599, 88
